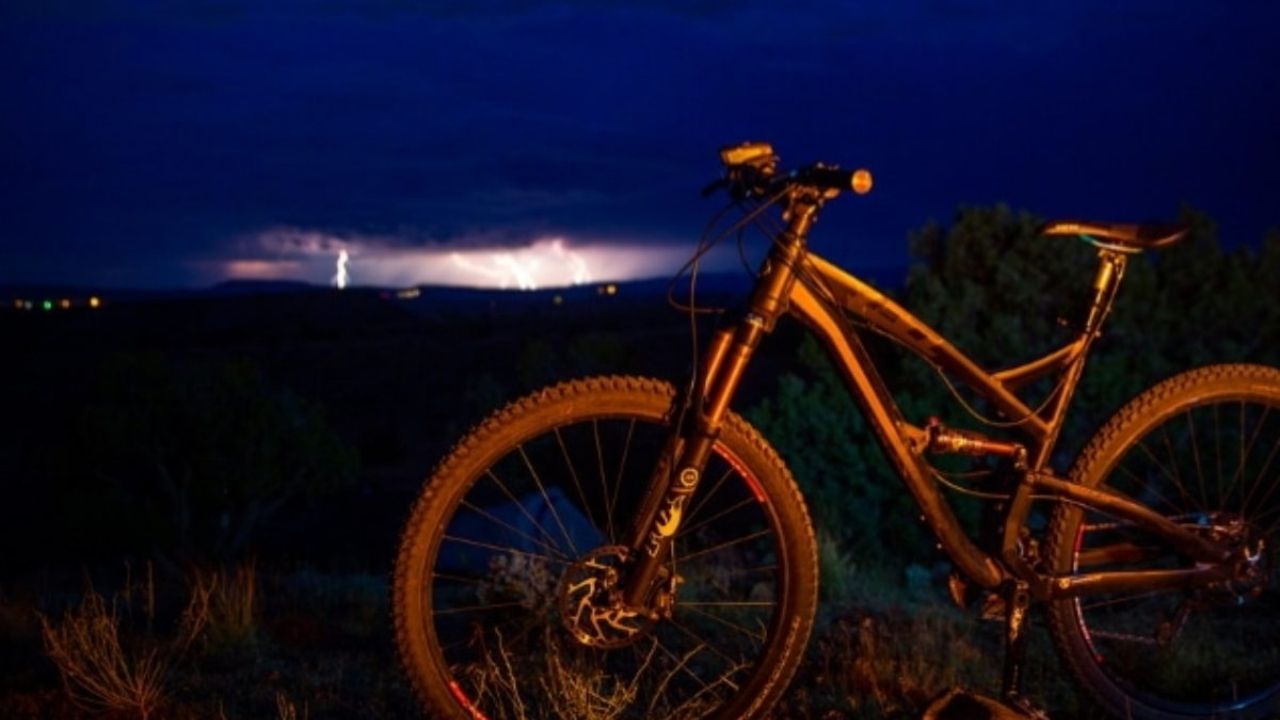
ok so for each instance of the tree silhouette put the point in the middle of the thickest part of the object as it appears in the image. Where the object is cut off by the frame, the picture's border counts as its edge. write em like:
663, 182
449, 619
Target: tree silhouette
193, 459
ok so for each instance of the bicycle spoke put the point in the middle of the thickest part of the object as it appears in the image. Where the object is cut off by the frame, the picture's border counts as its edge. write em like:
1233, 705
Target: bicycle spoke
1173, 463
499, 548
496, 627
694, 698
691, 528
519, 506
465, 580
1245, 452
604, 487
622, 466
499, 522
1273, 512
1258, 482
747, 571
730, 603
682, 664
1195, 452
1217, 452
698, 638
577, 483
478, 608
723, 545
545, 498
1182, 492
1147, 486
707, 498
727, 623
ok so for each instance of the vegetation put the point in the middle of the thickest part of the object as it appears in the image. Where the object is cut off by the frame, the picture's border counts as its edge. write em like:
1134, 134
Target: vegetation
199, 456
110, 656
205, 446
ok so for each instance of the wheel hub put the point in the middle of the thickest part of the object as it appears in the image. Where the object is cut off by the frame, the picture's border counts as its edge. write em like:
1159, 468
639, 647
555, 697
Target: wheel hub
1249, 565
591, 604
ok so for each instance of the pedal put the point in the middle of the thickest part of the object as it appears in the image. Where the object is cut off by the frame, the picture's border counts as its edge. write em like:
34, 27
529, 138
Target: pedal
994, 607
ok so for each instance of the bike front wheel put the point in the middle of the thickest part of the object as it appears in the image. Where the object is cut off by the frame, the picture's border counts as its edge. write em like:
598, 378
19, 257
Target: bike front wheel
1203, 449
524, 525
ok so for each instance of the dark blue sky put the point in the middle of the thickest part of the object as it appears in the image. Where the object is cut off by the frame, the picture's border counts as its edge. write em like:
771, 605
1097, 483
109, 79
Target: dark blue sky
154, 143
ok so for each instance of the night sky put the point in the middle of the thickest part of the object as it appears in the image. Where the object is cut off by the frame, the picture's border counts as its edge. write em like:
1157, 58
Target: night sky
168, 144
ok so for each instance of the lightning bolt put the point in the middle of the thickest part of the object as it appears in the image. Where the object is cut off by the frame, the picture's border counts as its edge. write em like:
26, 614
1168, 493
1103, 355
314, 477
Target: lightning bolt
577, 264
341, 277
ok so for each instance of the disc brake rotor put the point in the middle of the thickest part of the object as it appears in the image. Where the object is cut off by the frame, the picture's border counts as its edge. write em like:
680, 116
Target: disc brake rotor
590, 601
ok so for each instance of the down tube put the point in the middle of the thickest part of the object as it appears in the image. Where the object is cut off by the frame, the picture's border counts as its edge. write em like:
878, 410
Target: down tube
883, 415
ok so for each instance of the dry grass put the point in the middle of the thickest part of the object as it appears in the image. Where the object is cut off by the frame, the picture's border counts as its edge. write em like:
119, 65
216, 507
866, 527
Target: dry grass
576, 688
105, 663
886, 665
585, 691
232, 605
97, 671
287, 710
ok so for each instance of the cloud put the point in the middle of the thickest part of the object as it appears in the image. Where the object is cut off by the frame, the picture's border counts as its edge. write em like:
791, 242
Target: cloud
475, 261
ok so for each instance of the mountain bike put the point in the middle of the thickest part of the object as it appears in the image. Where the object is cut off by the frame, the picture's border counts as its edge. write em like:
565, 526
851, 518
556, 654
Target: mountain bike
619, 547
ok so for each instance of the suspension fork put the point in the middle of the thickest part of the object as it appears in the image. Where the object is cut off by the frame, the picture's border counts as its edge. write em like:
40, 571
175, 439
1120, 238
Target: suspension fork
721, 374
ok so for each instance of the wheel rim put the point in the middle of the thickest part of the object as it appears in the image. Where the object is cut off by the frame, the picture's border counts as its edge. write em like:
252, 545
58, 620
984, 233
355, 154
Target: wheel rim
1213, 465
495, 592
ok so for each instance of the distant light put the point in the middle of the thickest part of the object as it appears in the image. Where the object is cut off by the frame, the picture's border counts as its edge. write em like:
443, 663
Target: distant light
610, 289
27, 305
17, 304
862, 181
47, 304
64, 303
94, 302
557, 300
408, 293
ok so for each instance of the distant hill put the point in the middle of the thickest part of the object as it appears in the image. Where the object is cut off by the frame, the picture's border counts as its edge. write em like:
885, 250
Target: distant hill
259, 287
711, 289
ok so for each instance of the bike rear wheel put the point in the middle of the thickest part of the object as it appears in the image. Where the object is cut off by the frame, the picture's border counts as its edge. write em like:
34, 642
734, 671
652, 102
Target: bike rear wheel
1202, 448
526, 518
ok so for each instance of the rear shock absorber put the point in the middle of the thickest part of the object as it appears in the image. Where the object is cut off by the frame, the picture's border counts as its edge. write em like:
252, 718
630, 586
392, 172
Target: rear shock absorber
942, 440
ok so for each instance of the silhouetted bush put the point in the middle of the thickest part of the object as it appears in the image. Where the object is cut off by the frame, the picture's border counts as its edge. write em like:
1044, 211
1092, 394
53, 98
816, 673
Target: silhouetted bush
189, 461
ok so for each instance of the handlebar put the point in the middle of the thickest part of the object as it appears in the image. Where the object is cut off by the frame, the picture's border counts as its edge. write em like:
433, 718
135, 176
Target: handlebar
752, 169
833, 178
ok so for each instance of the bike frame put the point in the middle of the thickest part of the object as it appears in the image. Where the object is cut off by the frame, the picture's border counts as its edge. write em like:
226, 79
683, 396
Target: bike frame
794, 281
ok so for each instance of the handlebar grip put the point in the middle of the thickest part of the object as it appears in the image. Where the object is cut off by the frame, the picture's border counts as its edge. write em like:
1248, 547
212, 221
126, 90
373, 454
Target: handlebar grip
859, 181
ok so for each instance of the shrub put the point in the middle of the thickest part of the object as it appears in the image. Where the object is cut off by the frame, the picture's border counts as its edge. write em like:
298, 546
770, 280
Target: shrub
107, 664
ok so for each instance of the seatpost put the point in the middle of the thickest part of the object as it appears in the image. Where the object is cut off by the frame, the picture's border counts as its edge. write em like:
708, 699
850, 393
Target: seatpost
1105, 284
724, 368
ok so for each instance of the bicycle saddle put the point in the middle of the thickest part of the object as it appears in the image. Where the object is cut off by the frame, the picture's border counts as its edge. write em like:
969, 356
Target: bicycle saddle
1127, 237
